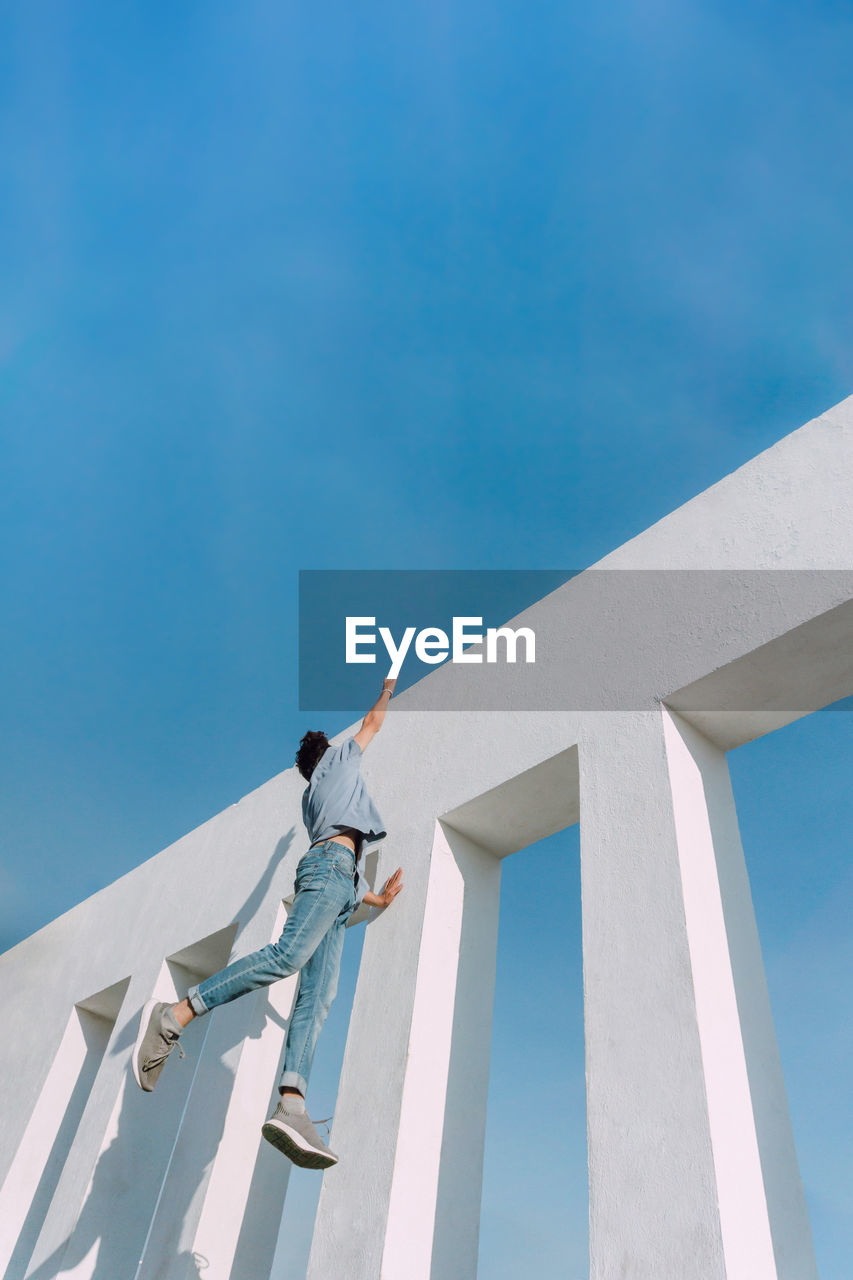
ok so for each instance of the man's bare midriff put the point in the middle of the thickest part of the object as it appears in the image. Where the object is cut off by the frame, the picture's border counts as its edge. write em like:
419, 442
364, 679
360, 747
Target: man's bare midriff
350, 837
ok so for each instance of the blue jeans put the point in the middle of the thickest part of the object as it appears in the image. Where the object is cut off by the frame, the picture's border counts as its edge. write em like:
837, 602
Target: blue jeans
310, 943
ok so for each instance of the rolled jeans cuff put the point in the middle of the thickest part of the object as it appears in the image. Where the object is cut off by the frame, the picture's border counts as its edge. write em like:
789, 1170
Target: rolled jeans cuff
195, 1002
293, 1080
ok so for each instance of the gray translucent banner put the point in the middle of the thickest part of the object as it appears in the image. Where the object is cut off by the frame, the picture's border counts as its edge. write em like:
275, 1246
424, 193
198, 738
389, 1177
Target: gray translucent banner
770, 640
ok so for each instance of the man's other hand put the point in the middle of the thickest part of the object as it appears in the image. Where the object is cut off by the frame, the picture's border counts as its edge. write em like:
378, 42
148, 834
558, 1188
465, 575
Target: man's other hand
393, 885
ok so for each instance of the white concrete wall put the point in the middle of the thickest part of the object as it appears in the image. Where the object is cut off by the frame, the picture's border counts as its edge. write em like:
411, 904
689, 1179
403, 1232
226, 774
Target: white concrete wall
692, 1168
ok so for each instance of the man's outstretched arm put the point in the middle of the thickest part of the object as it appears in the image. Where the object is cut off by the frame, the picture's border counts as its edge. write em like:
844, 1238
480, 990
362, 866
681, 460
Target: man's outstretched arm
372, 722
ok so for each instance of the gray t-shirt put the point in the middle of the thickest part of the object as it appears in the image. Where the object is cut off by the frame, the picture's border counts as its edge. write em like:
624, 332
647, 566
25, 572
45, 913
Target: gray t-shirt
336, 798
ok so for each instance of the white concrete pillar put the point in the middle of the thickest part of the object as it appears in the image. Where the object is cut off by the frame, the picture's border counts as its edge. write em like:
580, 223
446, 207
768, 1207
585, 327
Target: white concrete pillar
456, 1237
410, 1117
72, 1068
221, 1169
168, 1179
763, 1214
72, 1238
692, 1169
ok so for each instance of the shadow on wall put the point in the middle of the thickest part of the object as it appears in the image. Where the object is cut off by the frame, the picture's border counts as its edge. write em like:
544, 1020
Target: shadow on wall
111, 1234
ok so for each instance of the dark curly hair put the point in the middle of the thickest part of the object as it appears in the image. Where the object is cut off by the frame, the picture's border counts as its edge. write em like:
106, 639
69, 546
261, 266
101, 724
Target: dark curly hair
311, 748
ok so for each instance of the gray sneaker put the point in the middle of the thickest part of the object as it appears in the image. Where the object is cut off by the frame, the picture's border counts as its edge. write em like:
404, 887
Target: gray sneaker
294, 1134
158, 1035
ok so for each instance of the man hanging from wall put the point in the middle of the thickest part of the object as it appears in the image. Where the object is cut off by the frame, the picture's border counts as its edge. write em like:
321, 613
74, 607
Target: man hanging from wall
340, 817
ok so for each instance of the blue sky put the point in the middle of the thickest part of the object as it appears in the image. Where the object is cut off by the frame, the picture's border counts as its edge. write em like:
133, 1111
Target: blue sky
469, 286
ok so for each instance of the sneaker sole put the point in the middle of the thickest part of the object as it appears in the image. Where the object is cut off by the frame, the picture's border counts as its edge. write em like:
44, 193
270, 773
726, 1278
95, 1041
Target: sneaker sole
144, 1020
287, 1140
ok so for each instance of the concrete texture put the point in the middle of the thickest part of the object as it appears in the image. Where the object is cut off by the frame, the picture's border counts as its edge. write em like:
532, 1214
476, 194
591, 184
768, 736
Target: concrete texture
693, 1173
